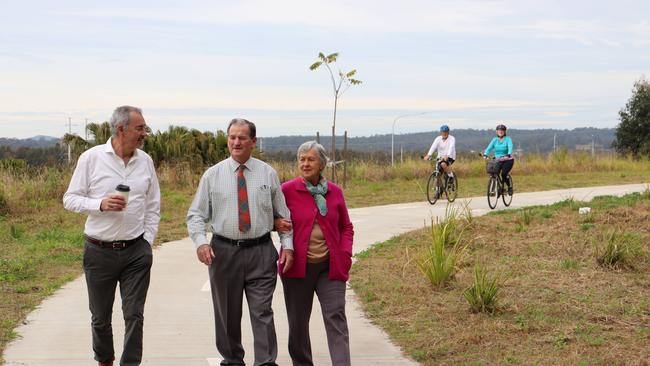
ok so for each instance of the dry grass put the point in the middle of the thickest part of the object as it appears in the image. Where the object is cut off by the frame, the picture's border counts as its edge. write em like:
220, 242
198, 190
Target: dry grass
41, 244
558, 305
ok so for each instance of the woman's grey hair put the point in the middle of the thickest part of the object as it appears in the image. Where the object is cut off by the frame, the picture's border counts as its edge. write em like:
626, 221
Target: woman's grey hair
320, 151
241, 121
121, 117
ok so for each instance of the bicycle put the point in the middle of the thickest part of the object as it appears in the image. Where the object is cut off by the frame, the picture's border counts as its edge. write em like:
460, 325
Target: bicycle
496, 186
439, 182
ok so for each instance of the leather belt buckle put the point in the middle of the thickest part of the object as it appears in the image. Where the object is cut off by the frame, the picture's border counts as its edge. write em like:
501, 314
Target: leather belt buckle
117, 245
240, 242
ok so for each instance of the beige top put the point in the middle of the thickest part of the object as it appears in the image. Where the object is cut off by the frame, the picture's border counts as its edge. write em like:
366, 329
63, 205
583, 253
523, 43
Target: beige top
318, 251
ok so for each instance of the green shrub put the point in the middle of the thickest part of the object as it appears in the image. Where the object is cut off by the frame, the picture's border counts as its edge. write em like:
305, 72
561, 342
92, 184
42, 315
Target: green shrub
16, 231
523, 220
483, 294
439, 263
619, 250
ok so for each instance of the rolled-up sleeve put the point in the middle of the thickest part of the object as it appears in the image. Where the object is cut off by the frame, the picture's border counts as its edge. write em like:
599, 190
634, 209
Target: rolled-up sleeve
200, 212
280, 209
76, 197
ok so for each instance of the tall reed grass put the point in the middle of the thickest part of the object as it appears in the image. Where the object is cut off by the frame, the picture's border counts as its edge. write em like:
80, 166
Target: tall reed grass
483, 294
619, 250
441, 258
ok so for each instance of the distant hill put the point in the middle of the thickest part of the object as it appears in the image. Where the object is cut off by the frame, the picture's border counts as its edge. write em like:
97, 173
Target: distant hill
540, 140
39, 141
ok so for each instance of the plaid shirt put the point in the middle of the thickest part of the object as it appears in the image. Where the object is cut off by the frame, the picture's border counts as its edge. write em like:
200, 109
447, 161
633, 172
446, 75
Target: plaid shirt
215, 202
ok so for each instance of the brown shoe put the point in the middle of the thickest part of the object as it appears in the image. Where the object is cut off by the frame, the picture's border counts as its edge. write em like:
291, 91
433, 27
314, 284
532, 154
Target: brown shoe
107, 363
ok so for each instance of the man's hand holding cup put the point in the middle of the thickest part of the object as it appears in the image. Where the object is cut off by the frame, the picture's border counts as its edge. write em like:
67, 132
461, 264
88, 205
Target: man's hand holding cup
116, 201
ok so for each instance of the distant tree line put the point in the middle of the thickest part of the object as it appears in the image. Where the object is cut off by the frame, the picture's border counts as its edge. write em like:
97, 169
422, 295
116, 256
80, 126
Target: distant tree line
203, 148
33, 156
529, 141
175, 145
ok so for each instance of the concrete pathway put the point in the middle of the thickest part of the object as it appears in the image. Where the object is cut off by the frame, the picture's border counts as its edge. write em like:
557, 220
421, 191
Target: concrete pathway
178, 316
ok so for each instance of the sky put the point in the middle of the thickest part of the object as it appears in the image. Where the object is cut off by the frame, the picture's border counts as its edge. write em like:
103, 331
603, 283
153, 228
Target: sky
470, 64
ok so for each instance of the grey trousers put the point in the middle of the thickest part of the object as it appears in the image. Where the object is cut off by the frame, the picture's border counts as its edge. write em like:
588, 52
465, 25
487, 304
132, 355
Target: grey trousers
299, 297
236, 271
104, 269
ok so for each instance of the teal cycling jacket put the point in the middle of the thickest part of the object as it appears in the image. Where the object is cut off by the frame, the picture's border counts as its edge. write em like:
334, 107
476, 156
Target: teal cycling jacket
501, 148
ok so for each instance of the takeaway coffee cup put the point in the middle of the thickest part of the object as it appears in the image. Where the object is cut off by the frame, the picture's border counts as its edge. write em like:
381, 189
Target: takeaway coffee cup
123, 190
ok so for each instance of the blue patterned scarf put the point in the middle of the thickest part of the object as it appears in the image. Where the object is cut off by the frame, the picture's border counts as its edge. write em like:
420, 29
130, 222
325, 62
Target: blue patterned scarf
318, 192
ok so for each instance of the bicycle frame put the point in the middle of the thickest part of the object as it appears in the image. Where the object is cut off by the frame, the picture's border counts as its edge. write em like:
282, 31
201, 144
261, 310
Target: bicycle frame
500, 191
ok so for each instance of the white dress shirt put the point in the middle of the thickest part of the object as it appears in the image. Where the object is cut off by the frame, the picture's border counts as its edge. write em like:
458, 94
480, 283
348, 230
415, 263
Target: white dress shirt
99, 170
445, 147
216, 202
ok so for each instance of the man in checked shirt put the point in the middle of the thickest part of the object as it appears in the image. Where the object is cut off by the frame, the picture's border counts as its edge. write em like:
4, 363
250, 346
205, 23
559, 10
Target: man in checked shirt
239, 198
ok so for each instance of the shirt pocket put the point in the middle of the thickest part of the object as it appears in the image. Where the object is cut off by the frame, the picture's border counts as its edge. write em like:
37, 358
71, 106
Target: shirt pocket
219, 198
264, 198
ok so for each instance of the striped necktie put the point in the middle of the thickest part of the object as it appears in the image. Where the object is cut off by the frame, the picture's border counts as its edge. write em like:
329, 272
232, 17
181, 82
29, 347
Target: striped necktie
242, 201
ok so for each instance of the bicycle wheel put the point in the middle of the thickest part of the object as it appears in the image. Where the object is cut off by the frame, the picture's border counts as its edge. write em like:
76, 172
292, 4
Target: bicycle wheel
492, 192
432, 188
507, 197
451, 188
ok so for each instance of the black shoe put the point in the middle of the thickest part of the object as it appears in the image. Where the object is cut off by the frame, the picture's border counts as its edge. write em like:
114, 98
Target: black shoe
510, 191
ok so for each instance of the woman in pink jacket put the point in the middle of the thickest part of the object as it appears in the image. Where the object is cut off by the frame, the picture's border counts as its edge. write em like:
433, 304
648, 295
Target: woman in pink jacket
322, 241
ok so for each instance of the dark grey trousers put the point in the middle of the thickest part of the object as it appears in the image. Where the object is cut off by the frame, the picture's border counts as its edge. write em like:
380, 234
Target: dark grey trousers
299, 297
104, 269
244, 270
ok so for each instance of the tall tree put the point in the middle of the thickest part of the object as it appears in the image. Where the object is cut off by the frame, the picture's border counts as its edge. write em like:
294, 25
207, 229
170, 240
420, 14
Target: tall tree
633, 133
340, 84
100, 132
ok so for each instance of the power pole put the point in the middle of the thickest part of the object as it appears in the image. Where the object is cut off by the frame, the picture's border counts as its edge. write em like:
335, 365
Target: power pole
593, 147
554, 138
69, 147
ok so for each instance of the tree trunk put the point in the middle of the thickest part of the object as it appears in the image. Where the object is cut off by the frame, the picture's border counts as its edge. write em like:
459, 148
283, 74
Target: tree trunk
336, 99
345, 159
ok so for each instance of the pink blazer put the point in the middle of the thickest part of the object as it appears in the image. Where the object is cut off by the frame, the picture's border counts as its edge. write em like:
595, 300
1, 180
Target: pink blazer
336, 227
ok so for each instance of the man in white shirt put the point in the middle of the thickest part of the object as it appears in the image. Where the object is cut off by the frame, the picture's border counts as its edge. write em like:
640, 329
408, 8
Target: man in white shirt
120, 230
238, 198
445, 145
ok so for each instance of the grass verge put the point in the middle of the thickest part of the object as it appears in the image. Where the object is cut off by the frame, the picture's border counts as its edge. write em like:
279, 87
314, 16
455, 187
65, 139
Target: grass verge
41, 244
558, 305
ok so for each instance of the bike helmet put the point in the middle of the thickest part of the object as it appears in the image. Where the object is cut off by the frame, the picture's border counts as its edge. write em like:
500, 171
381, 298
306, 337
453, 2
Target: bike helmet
501, 127
444, 128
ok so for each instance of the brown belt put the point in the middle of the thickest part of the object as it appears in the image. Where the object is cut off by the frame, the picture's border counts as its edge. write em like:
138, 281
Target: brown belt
115, 245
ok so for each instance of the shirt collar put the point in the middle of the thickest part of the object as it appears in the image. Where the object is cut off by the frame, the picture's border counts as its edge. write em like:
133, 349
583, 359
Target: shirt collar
234, 165
109, 149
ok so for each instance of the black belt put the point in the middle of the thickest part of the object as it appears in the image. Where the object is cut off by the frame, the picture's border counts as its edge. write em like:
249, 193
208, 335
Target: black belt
115, 245
245, 242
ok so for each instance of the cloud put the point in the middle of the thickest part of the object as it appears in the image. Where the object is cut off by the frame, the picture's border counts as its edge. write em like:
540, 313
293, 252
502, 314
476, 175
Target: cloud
559, 114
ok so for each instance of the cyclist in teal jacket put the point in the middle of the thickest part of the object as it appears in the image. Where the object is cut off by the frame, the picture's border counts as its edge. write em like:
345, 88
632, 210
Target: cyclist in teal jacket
502, 146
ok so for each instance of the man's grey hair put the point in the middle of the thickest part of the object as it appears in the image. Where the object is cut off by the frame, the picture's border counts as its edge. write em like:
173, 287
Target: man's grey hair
320, 151
121, 117
241, 121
